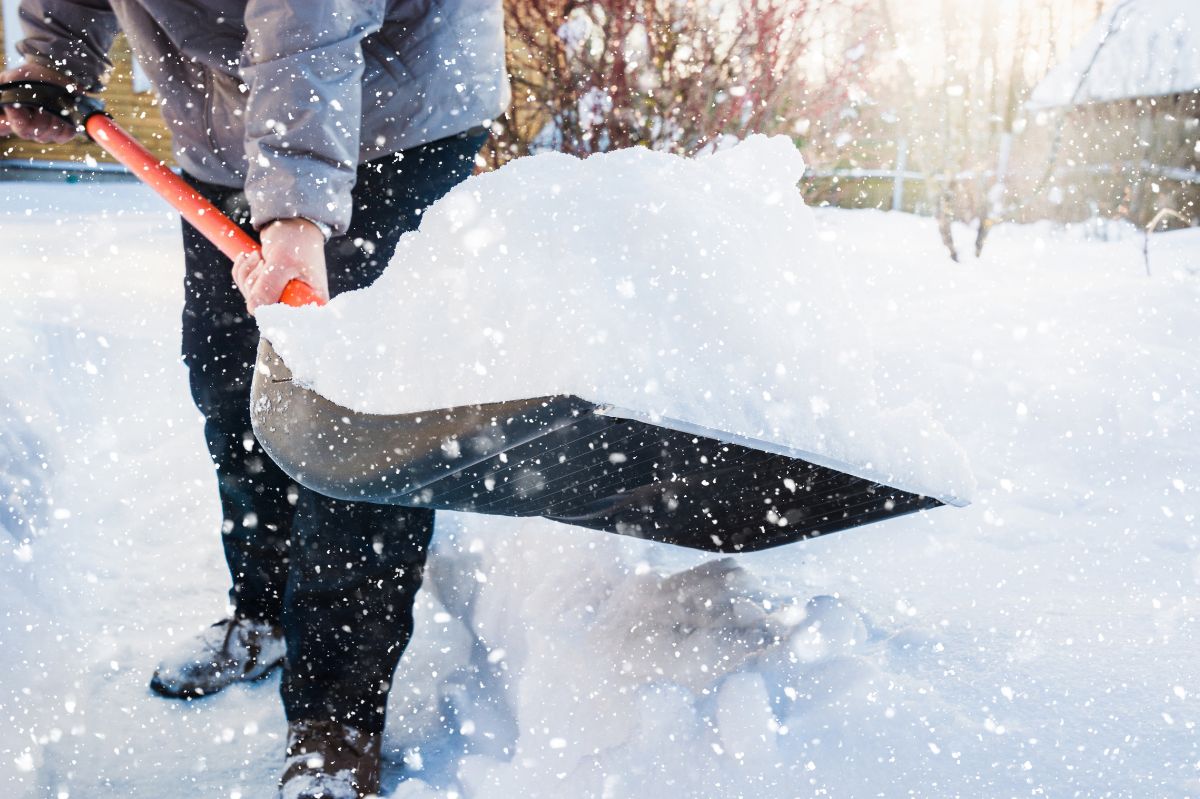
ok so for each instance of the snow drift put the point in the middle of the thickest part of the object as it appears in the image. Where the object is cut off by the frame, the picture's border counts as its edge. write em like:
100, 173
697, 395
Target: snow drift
679, 289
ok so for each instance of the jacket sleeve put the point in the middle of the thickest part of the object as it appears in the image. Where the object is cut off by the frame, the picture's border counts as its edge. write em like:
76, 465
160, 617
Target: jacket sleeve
303, 65
72, 36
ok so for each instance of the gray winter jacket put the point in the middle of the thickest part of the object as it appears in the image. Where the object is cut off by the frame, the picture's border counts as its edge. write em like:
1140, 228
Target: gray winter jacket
287, 97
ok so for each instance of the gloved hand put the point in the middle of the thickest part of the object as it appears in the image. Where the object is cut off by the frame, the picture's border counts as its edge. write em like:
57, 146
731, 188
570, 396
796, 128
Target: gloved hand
291, 249
34, 125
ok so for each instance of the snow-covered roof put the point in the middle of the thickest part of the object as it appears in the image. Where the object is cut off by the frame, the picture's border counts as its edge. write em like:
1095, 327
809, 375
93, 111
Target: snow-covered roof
1138, 48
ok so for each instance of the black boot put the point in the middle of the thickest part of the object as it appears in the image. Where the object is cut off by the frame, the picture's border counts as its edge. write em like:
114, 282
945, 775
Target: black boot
232, 650
330, 760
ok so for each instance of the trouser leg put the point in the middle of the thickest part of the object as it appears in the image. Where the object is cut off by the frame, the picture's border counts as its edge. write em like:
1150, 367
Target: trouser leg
356, 566
347, 614
220, 340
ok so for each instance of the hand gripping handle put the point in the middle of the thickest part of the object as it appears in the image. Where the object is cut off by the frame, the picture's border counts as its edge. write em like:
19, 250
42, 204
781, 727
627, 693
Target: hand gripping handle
50, 98
88, 115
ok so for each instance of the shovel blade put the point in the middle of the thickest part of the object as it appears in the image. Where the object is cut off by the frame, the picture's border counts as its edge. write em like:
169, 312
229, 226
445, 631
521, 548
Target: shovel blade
566, 459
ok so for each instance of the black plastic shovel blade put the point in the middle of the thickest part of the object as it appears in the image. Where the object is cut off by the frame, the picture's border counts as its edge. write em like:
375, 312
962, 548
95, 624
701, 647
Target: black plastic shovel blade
566, 459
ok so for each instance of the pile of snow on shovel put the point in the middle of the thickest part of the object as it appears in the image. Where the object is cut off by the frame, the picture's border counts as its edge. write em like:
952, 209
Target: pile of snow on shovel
692, 289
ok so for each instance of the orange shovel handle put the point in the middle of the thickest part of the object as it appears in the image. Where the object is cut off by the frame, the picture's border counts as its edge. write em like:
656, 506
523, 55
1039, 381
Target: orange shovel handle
199, 212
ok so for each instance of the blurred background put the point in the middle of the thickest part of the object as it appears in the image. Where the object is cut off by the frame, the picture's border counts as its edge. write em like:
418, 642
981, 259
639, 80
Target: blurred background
967, 111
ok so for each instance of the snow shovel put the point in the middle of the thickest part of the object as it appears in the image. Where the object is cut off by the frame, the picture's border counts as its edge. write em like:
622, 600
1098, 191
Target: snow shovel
559, 457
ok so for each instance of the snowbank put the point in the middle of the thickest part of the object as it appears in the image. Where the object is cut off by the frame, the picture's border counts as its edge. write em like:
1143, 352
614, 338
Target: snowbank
1147, 48
694, 290
31, 663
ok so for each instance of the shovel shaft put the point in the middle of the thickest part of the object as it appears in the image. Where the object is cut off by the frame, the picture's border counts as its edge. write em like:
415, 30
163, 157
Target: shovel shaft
80, 110
199, 212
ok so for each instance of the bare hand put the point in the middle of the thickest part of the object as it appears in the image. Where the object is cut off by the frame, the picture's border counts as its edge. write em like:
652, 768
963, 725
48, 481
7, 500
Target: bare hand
35, 125
292, 249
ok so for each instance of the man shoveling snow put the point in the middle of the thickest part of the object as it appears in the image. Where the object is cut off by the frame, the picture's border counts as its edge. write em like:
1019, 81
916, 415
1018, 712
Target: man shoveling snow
743, 405
293, 119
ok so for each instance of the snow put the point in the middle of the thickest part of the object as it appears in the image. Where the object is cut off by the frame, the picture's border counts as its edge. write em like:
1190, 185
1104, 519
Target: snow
694, 290
1147, 48
1040, 641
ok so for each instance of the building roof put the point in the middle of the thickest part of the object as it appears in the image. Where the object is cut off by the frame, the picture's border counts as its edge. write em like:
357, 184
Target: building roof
1138, 48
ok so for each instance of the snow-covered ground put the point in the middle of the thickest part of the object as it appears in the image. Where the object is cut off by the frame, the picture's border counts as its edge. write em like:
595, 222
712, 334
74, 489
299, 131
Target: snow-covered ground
1043, 641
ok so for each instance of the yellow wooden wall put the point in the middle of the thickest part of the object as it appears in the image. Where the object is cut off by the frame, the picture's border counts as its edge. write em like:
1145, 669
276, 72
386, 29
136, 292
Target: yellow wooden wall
137, 112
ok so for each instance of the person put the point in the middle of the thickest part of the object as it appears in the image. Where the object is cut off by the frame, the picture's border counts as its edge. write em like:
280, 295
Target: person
325, 126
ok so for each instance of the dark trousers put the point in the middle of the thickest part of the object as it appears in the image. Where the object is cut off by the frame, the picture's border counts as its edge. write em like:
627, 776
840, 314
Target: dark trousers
340, 577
